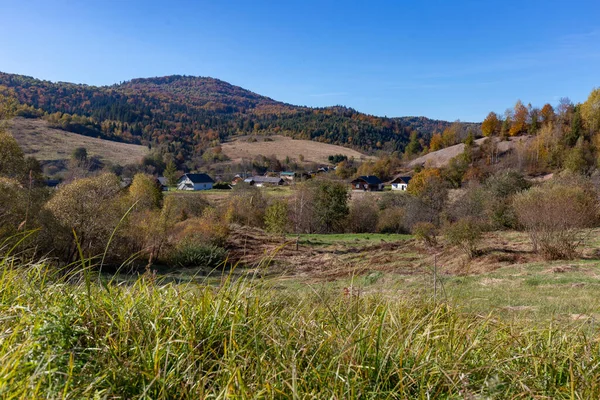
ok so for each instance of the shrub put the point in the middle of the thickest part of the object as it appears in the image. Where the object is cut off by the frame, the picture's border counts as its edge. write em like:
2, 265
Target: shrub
276, 217
191, 254
363, 216
182, 207
555, 216
425, 232
464, 233
207, 229
246, 206
391, 220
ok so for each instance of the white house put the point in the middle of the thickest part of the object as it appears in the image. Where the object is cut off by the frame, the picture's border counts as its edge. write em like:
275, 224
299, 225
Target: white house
400, 182
195, 182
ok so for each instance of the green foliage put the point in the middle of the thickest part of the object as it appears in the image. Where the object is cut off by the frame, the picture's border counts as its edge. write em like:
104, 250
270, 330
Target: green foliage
171, 173
192, 254
148, 339
145, 192
464, 233
80, 154
337, 158
12, 159
330, 205
276, 217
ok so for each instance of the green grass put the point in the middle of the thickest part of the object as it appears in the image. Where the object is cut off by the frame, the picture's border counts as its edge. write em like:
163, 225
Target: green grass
68, 336
357, 239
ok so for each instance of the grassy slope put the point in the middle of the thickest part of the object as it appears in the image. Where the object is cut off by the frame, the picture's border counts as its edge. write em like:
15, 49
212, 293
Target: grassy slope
283, 147
37, 139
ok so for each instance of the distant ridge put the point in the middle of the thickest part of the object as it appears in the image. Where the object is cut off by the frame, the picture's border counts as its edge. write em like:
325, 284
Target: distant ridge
185, 115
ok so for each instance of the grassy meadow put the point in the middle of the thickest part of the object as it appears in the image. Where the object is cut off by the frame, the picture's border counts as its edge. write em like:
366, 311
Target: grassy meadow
527, 331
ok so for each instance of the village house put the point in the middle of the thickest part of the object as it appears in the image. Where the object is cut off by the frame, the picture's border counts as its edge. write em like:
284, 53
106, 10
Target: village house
260, 181
287, 175
368, 183
400, 182
195, 182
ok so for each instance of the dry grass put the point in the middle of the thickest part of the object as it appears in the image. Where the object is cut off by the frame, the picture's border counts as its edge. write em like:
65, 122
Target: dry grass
283, 147
441, 158
39, 140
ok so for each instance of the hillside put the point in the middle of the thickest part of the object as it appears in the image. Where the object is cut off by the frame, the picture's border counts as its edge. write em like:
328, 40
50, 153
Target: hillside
441, 158
282, 147
187, 114
45, 143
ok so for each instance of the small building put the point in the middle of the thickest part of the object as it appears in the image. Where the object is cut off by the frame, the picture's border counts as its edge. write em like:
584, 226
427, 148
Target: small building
260, 181
195, 182
162, 183
287, 175
400, 182
369, 183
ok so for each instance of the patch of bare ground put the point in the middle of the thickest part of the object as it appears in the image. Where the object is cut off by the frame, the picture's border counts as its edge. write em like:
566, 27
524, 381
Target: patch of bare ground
254, 248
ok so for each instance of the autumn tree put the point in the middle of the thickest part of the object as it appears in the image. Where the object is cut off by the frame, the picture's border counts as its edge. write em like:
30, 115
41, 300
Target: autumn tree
519, 123
491, 125
12, 159
436, 143
547, 114
590, 111
145, 192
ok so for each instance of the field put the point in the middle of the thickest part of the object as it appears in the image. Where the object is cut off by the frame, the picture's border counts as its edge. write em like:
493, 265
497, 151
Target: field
39, 140
310, 316
518, 328
283, 147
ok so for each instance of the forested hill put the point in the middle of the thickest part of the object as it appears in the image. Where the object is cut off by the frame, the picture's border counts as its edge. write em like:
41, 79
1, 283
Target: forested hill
186, 115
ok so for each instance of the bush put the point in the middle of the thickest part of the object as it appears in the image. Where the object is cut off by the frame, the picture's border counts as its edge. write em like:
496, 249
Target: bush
208, 229
464, 233
363, 216
182, 207
276, 217
555, 216
425, 232
391, 220
190, 254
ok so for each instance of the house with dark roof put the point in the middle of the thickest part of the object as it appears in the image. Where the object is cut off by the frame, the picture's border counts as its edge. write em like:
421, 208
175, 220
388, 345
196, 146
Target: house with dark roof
195, 182
369, 183
261, 181
400, 182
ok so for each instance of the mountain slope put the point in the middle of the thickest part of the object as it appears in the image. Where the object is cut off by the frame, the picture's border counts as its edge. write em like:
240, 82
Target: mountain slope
186, 115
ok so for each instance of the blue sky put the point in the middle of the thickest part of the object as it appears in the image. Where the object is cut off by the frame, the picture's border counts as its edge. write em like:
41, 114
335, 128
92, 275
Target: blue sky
441, 59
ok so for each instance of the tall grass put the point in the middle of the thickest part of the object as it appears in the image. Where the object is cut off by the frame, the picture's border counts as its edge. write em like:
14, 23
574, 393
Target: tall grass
247, 339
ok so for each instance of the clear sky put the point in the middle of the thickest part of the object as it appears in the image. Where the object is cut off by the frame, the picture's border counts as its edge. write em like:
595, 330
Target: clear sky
441, 59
